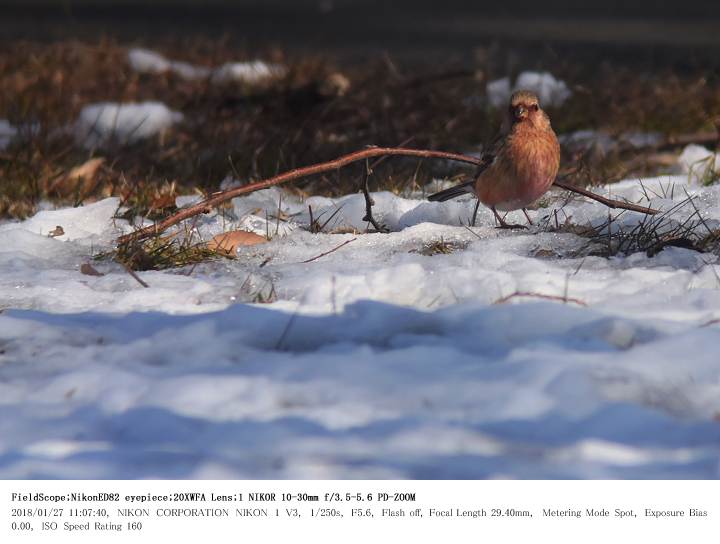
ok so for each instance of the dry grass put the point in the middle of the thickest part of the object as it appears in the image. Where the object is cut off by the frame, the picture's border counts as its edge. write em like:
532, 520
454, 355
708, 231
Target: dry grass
164, 251
439, 247
253, 133
651, 234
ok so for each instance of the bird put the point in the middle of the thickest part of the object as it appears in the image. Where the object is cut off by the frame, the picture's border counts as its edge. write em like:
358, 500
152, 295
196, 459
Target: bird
519, 166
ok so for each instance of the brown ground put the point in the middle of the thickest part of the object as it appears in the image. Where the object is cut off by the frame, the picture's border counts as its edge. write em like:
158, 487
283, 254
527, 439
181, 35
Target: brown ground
424, 92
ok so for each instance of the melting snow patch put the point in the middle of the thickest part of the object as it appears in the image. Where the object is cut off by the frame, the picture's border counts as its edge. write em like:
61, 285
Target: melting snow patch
701, 164
550, 91
109, 122
7, 133
84, 223
146, 61
498, 92
246, 72
252, 72
642, 139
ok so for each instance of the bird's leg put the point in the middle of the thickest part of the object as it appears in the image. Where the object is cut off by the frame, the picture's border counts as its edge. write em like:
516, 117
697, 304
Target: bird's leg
527, 216
497, 216
474, 218
503, 223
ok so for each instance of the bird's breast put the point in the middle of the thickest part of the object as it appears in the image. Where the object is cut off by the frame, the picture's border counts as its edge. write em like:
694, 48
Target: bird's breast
522, 173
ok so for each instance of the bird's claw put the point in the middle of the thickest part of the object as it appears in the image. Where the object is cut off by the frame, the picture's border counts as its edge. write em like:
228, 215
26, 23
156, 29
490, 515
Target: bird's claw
379, 227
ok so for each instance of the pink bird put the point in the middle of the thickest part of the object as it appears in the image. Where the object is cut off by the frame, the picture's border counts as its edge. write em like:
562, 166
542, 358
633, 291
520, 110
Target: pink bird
520, 166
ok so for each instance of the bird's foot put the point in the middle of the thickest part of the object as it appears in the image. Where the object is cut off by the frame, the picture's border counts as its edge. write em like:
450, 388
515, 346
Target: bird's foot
379, 227
511, 226
502, 224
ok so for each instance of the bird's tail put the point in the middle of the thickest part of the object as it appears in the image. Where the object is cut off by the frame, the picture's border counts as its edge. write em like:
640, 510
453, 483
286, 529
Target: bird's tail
453, 192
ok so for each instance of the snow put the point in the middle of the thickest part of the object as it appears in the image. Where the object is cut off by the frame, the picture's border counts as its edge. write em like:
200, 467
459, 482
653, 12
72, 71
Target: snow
699, 163
498, 92
251, 72
377, 360
642, 139
150, 62
247, 72
7, 133
550, 91
110, 122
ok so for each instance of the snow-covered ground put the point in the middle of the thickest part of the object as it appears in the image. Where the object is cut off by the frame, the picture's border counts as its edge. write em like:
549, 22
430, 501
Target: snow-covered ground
377, 360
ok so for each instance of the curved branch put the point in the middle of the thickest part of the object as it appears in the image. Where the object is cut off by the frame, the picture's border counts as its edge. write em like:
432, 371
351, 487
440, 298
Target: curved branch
609, 202
218, 198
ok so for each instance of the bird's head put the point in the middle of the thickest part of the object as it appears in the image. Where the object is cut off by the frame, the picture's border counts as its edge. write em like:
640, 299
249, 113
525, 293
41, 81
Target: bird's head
525, 108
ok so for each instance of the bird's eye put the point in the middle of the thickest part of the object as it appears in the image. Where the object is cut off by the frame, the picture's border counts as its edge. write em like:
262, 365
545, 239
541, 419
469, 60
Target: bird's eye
534, 107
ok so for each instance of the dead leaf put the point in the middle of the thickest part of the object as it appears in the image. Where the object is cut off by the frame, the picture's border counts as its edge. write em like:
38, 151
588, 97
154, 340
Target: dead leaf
229, 242
79, 181
336, 84
164, 197
57, 231
89, 270
545, 253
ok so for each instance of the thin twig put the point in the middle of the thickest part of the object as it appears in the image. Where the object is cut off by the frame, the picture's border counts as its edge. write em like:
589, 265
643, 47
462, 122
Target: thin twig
697, 212
332, 215
609, 202
473, 232
134, 275
539, 295
346, 242
289, 324
215, 199
711, 322
475, 212
369, 202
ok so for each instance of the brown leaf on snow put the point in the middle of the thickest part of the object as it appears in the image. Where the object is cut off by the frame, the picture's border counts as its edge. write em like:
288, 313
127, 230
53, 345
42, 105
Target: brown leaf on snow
164, 197
57, 231
229, 242
89, 270
80, 182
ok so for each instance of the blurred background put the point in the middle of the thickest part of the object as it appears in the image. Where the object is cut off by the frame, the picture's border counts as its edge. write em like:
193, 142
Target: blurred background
405, 26
265, 86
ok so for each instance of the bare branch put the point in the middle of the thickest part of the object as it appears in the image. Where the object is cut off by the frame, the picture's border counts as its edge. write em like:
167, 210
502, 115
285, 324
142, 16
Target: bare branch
609, 202
521, 294
218, 198
134, 275
346, 242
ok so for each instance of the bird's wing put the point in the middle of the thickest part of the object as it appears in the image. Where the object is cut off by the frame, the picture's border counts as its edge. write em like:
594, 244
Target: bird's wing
490, 152
466, 187
487, 159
